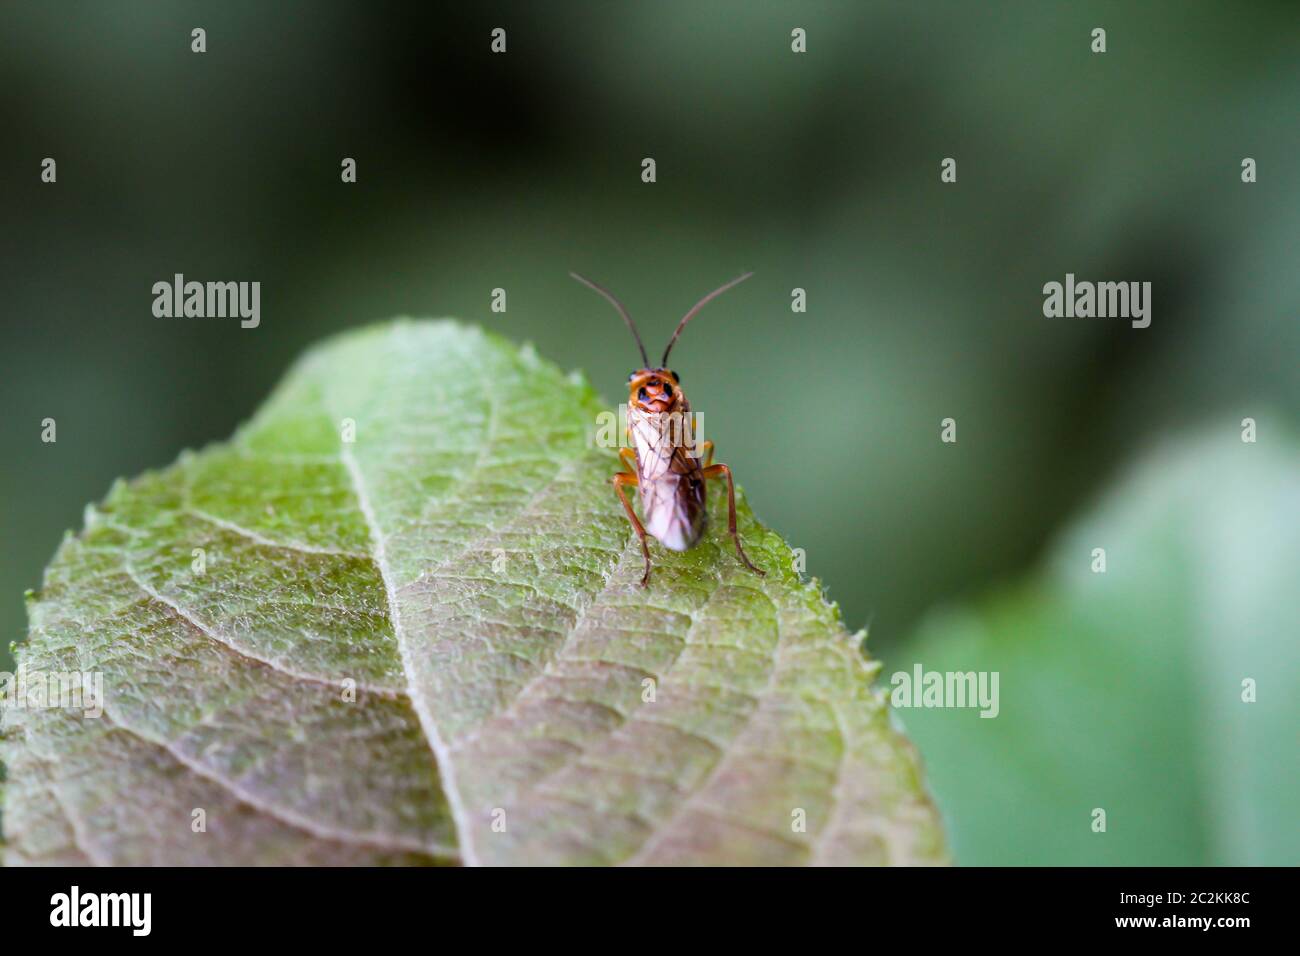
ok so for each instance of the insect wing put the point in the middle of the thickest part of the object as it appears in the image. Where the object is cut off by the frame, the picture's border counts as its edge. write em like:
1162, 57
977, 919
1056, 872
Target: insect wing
670, 481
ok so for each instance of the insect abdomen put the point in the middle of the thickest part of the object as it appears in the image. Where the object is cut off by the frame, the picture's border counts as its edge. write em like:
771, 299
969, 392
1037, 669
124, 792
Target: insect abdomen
670, 482
674, 510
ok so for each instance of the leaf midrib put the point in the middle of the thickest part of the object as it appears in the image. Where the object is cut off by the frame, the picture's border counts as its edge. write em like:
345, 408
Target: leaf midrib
437, 746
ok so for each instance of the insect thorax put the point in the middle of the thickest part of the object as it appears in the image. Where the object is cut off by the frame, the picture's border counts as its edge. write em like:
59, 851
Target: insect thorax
658, 437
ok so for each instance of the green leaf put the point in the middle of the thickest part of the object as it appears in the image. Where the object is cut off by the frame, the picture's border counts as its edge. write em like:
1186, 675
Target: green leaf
1123, 690
464, 561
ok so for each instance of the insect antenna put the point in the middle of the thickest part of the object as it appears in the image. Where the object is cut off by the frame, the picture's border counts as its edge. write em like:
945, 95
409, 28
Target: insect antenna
645, 361
696, 308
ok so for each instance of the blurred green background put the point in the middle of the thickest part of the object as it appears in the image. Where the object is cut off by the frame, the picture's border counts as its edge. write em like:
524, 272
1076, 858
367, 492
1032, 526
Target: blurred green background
819, 171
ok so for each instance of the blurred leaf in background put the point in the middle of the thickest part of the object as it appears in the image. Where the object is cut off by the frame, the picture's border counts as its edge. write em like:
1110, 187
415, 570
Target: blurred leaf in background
1124, 690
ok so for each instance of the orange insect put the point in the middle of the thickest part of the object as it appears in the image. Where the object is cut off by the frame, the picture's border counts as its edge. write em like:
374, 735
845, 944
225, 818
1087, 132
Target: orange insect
662, 462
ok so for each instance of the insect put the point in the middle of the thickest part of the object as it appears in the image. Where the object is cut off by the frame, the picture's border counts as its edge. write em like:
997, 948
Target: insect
662, 462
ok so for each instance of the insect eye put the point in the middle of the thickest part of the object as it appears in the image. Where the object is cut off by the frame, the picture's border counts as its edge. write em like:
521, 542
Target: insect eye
668, 390
642, 394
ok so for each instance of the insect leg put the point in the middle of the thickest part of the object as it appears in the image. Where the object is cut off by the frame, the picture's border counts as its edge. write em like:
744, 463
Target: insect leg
618, 481
629, 459
715, 471
706, 450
